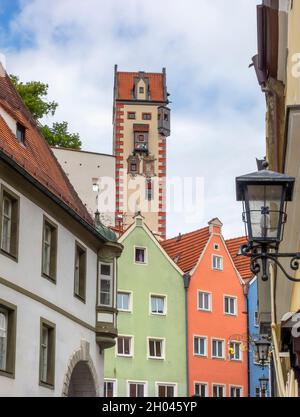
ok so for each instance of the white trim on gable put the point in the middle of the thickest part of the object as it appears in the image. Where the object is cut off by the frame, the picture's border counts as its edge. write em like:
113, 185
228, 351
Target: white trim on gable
154, 240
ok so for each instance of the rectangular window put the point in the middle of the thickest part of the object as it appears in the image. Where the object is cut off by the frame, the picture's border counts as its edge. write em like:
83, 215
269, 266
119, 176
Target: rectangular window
204, 301
146, 116
131, 115
49, 252
141, 141
8, 320
257, 392
149, 189
124, 346
256, 319
140, 255
217, 262
106, 284
200, 346
235, 392
20, 132
136, 389
158, 304
47, 353
156, 348
141, 90
123, 301
80, 271
164, 390
218, 391
235, 351
218, 348
230, 305
9, 223
109, 389
200, 389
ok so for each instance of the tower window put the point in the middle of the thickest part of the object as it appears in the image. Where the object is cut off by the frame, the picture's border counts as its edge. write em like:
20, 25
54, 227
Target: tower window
131, 115
20, 133
141, 90
149, 190
133, 165
141, 141
146, 116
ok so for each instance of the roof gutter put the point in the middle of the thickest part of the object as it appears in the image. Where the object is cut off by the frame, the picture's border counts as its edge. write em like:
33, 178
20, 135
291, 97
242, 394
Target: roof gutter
48, 193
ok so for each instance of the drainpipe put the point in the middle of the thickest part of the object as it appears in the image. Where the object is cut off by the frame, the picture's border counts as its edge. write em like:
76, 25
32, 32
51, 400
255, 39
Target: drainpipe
186, 283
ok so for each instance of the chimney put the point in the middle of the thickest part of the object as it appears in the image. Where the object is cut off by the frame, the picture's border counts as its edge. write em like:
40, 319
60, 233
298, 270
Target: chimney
215, 226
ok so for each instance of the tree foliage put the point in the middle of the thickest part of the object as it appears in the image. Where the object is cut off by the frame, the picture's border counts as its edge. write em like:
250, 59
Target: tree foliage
34, 95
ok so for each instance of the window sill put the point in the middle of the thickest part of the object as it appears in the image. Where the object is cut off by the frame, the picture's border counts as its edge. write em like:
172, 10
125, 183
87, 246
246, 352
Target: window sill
218, 359
204, 311
46, 385
79, 298
124, 311
53, 280
124, 356
7, 374
230, 315
158, 314
200, 356
156, 358
9, 255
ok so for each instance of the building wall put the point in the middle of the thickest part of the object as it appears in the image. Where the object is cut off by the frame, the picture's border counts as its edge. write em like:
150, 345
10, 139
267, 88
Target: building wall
25, 276
216, 324
158, 277
256, 371
85, 169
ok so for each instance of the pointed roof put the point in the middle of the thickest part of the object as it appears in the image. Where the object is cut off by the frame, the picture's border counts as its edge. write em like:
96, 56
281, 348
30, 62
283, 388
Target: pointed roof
186, 249
242, 263
35, 156
125, 84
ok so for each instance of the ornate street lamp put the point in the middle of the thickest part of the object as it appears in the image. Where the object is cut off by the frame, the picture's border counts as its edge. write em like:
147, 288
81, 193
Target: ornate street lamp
262, 349
263, 382
265, 195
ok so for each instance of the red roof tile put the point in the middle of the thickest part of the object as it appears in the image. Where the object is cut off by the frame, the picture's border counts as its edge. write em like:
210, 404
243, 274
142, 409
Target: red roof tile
242, 263
36, 156
125, 84
186, 249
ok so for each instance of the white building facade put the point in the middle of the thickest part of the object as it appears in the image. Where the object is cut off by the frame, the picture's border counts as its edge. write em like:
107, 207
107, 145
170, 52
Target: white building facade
57, 270
93, 177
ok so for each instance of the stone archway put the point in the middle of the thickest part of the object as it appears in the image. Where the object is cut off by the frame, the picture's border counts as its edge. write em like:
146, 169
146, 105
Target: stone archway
81, 377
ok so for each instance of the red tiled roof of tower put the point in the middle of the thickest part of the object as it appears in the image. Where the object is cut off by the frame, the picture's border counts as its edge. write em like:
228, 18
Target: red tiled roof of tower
186, 249
125, 83
242, 263
36, 156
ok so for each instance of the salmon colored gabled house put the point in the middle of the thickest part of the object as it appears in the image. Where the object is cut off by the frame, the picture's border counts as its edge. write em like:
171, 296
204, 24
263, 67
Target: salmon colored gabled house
217, 318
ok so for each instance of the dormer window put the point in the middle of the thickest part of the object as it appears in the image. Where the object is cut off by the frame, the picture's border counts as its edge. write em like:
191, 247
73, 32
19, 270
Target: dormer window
20, 132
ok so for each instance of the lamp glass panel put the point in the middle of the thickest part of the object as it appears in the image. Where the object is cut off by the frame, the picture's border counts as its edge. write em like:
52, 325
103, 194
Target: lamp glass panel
265, 210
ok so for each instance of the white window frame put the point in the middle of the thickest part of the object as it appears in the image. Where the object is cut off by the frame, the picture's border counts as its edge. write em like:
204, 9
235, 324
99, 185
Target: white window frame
235, 305
123, 355
115, 384
163, 348
217, 340
216, 246
210, 301
164, 296
201, 383
236, 387
107, 278
205, 345
5, 330
212, 262
130, 301
145, 383
240, 351
9, 220
47, 248
145, 255
166, 384
215, 384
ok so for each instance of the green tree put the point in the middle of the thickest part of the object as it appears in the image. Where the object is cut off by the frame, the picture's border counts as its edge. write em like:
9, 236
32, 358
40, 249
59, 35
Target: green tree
34, 95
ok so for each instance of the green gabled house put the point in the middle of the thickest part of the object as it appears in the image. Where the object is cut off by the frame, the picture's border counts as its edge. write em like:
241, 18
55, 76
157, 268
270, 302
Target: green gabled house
149, 358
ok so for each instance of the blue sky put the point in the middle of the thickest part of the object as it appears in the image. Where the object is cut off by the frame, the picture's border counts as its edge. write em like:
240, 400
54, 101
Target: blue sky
206, 46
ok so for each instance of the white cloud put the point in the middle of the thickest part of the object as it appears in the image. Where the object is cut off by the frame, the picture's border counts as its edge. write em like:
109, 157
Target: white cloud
206, 46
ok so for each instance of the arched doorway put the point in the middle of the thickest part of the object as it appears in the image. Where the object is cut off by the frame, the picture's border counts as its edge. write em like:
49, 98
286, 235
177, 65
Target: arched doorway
82, 382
